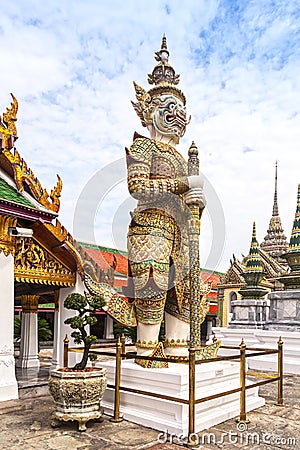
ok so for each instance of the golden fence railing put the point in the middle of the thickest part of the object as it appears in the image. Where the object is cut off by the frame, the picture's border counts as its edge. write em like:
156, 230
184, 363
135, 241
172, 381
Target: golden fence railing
121, 354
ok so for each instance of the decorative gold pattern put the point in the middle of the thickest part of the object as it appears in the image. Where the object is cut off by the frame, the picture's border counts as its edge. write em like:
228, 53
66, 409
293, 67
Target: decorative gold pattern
175, 343
30, 303
149, 305
158, 352
33, 264
146, 344
7, 242
116, 306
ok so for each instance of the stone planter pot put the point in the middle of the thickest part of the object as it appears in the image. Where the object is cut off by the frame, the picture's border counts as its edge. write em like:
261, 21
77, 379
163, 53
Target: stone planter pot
77, 395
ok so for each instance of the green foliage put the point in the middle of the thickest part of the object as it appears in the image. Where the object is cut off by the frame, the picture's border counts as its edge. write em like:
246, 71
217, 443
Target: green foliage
44, 331
75, 301
17, 327
84, 305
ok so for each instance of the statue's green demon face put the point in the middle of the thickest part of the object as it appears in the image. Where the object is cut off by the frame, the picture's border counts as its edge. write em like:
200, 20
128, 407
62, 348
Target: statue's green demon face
169, 116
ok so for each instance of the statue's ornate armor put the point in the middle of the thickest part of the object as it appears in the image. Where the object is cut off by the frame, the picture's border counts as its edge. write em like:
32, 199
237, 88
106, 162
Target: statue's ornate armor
157, 236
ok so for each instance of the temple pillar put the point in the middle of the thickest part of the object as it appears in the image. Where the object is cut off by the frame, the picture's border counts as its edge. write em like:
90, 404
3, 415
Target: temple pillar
61, 329
29, 348
8, 382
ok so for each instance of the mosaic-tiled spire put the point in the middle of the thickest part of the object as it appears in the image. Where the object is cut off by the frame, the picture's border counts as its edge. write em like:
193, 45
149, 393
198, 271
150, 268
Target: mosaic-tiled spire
253, 263
291, 280
294, 246
275, 242
253, 273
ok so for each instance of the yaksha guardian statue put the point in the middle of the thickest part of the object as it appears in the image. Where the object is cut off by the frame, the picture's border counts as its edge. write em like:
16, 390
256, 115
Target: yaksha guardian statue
158, 247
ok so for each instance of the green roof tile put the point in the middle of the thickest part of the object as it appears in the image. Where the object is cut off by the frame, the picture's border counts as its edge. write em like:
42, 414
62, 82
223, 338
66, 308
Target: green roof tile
9, 193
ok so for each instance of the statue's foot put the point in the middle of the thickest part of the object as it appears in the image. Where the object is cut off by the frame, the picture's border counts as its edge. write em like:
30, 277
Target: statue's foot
158, 352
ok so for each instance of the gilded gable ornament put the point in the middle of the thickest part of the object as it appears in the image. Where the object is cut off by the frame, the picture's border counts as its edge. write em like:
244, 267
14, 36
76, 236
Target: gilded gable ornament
7, 242
33, 264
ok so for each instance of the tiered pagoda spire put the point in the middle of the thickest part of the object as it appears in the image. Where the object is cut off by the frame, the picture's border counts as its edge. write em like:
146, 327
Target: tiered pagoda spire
275, 242
292, 256
294, 246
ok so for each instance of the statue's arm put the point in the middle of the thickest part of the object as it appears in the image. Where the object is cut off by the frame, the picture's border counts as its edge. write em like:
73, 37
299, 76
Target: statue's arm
140, 186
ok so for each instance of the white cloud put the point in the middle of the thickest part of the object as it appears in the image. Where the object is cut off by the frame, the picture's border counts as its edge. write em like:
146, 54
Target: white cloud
71, 65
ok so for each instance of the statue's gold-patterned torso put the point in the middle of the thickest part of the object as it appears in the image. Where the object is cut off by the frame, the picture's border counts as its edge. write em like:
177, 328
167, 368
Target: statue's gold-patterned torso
157, 237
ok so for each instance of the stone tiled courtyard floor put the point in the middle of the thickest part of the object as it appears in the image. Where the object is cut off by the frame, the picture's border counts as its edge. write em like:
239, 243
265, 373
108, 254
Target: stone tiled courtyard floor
25, 425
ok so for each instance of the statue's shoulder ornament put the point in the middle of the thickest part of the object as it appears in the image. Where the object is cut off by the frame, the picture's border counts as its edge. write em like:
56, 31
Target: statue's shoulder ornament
141, 150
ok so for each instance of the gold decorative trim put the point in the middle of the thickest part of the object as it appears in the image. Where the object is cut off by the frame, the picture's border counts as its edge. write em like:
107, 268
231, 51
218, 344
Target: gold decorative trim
146, 344
30, 303
175, 343
33, 264
7, 242
158, 352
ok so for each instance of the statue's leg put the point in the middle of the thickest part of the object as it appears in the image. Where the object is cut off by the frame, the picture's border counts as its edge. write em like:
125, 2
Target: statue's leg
149, 304
177, 332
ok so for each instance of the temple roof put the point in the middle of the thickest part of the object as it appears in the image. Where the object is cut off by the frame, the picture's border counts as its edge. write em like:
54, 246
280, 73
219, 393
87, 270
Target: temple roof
275, 242
11, 194
17, 169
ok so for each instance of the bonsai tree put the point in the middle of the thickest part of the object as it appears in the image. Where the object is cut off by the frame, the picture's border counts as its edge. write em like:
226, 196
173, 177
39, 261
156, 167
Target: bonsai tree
84, 305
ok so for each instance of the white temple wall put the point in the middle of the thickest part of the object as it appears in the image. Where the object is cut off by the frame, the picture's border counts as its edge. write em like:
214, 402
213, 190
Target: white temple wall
8, 382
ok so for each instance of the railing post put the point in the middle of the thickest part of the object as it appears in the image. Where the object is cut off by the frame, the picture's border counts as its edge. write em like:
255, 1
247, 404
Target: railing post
123, 344
243, 417
117, 417
191, 436
280, 372
66, 351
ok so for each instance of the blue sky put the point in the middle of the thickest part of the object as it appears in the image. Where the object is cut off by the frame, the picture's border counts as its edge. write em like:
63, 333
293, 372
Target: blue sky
71, 65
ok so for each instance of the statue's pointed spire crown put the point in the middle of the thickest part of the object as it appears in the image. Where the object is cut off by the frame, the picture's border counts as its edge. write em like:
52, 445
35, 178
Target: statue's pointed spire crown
163, 73
295, 236
253, 263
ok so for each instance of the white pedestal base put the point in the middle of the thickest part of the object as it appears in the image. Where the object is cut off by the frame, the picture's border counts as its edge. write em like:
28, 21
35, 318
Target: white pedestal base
8, 382
264, 339
172, 417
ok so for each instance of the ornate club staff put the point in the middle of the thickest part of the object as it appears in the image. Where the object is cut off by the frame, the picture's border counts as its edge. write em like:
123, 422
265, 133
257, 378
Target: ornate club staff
194, 257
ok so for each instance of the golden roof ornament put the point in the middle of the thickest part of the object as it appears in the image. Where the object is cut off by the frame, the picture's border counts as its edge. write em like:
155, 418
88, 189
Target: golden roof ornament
8, 129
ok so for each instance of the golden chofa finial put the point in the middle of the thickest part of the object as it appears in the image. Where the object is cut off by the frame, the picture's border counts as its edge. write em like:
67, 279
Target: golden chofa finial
10, 116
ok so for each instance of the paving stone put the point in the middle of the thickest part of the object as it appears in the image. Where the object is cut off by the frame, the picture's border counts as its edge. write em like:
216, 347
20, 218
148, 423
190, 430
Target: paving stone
25, 424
